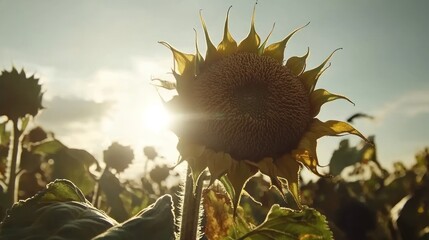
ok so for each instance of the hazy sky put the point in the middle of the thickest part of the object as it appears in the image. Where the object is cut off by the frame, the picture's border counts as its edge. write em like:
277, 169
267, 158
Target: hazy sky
96, 59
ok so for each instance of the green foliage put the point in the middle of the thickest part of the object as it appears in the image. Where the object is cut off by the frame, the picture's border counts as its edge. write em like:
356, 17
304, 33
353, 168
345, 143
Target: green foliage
154, 222
71, 164
288, 224
60, 212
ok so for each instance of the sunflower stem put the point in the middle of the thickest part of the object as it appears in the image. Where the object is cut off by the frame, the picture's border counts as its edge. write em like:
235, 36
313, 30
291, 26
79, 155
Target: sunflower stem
11, 185
191, 208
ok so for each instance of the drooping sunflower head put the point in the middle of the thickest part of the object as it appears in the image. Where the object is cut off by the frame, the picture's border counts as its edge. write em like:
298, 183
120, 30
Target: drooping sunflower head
118, 157
243, 108
19, 95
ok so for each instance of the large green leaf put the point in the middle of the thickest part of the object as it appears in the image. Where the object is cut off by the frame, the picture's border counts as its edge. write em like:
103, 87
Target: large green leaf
67, 166
287, 224
60, 212
154, 222
71, 164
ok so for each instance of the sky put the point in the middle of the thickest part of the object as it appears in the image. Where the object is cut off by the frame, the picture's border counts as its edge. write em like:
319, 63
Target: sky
96, 60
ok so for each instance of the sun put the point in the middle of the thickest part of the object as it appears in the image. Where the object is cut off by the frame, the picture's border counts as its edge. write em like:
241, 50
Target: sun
155, 117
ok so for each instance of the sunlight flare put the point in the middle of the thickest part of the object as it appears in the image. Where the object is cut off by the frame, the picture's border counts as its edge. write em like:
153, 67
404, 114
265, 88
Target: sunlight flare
155, 117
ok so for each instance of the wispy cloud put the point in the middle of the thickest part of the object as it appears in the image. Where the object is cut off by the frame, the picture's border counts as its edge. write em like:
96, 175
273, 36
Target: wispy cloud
410, 104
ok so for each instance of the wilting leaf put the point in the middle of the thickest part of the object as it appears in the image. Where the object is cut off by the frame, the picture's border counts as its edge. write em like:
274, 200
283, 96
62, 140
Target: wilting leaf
154, 222
288, 224
60, 212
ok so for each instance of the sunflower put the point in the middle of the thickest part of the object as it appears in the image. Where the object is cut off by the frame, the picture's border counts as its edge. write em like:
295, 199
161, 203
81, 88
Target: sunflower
244, 109
19, 95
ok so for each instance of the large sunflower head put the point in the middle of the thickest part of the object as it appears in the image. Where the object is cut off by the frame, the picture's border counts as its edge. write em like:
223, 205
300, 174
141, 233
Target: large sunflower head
245, 108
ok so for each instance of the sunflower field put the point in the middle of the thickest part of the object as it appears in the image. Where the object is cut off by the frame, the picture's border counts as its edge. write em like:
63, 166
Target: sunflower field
246, 122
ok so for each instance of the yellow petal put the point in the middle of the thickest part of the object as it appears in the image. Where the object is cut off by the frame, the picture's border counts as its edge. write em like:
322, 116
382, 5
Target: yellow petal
199, 61
320, 97
288, 169
218, 163
333, 128
252, 41
211, 53
310, 77
228, 44
276, 50
306, 150
238, 174
185, 62
309, 158
297, 64
262, 47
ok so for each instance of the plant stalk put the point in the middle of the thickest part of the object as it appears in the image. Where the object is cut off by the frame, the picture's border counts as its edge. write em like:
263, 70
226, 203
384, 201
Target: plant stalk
190, 209
12, 191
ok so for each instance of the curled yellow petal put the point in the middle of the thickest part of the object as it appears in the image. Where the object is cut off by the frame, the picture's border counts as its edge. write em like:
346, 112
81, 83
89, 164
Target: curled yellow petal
321, 96
252, 41
333, 128
306, 150
297, 64
185, 62
310, 77
164, 84
228, 44
276, 50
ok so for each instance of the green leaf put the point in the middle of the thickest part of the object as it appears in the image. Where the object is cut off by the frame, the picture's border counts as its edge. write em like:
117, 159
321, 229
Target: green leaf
60, 212
154, 222
287, 224
67, 166
112, 188
50, 147
71, 164
61, 191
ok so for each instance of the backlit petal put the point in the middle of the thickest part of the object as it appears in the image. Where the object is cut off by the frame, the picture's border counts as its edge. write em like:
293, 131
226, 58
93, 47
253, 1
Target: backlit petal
320, 97
310, 77
297, 64
276, 50
228, 44
252, 41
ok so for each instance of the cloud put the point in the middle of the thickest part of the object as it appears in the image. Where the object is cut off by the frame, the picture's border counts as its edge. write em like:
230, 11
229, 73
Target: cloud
66, 111
410, 104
